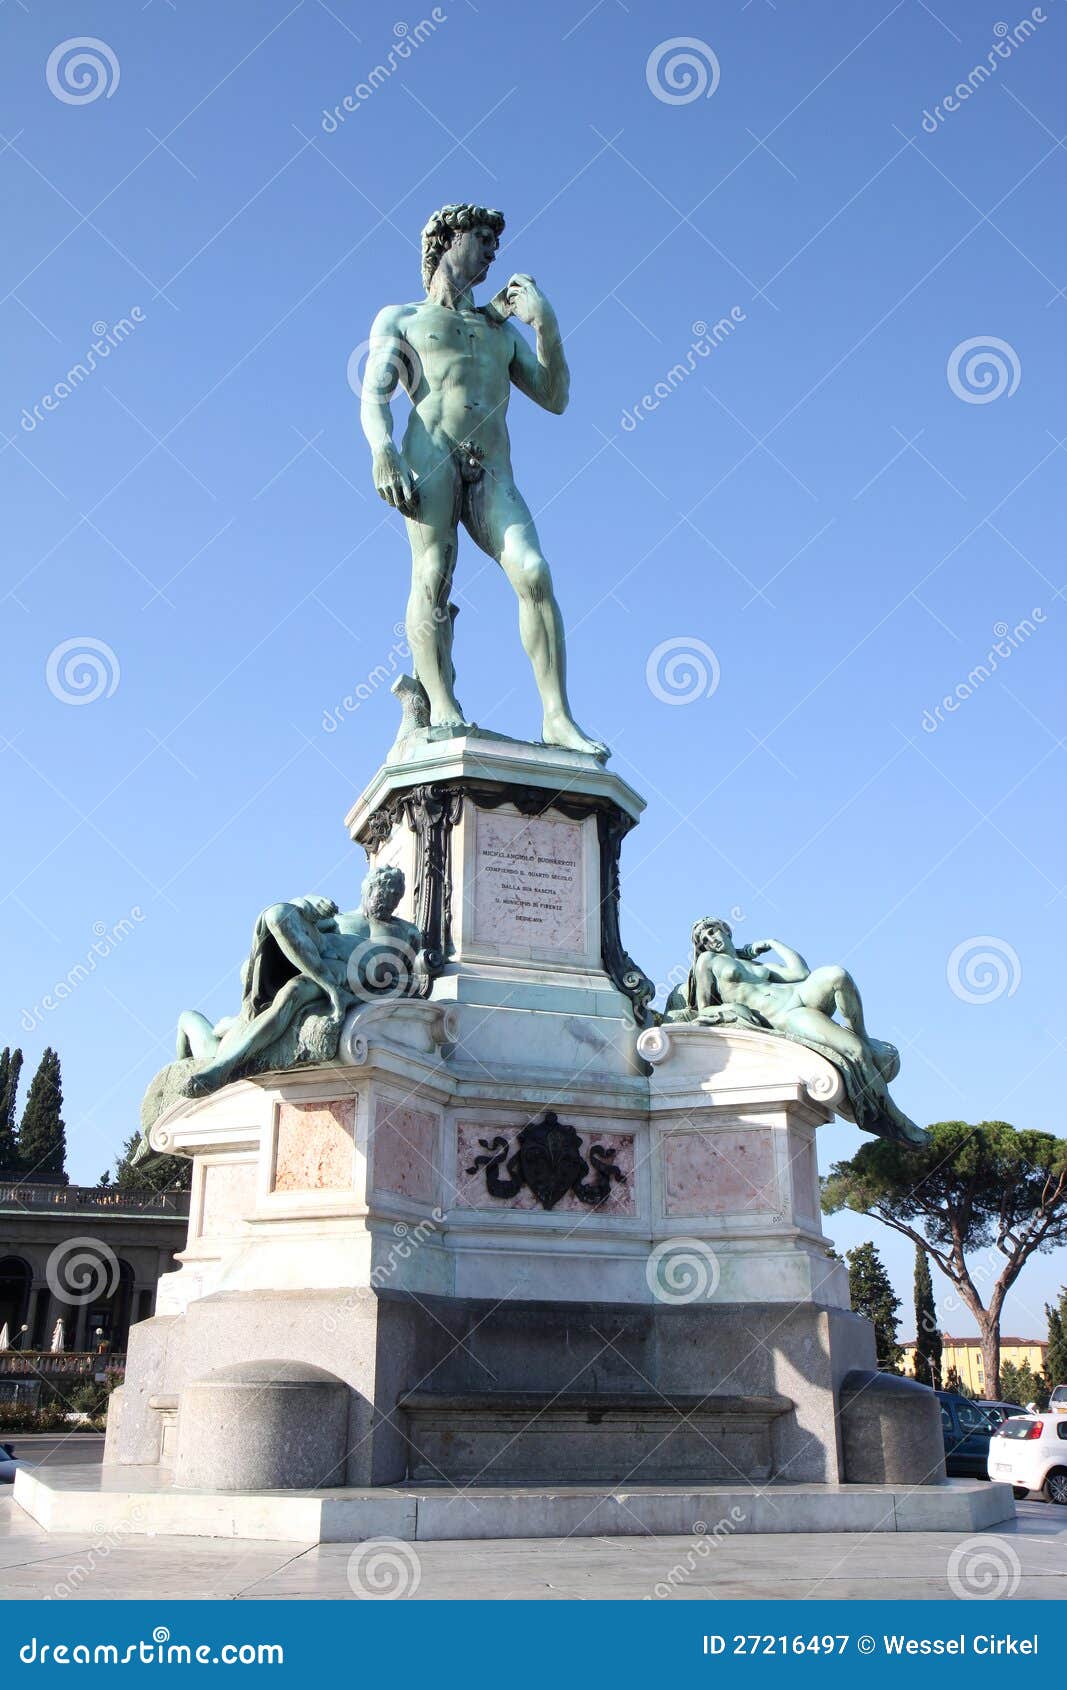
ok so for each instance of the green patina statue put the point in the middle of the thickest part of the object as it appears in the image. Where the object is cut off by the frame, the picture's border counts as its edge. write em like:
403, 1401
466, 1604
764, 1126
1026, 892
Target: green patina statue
457, 363
726, 984
309, 964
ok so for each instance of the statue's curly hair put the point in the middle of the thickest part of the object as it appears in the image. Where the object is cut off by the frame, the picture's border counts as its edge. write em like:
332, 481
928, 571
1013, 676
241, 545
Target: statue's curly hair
388, 879
449, 221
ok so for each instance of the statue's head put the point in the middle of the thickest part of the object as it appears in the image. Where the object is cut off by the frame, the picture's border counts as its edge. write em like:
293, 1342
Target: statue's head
381, 892
711, 934
470, 234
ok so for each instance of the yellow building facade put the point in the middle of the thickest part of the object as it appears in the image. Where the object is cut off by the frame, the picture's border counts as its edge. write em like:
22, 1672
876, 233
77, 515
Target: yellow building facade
965, 1355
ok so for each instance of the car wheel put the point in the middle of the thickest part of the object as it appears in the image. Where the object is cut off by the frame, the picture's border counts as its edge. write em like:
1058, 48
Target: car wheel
1056, 1486
1019, 1492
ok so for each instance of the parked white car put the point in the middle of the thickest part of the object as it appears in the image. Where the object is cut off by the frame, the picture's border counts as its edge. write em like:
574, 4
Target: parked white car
1058, 1400
1030, 1454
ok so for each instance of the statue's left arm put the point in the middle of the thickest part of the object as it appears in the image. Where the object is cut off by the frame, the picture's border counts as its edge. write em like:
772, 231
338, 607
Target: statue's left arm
540, 371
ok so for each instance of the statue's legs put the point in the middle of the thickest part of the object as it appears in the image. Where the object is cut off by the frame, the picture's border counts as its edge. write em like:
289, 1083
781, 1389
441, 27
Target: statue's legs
833, 988
244, 1038
196, 1036
432, 535
815, 1025
499, 521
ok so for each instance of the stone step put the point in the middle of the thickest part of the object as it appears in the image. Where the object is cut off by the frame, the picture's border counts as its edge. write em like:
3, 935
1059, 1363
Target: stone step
522, 1437
134, 1501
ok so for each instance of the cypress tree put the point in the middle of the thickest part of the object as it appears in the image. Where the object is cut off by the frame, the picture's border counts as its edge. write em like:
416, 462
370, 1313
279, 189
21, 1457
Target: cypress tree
10, 1068
927, 1332
872, 1295
154, 1173
1056, 1354
42, 1142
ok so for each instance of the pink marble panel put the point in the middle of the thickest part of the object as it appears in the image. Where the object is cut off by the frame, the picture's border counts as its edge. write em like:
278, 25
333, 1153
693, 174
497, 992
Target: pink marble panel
720, 1172
471, 1191
315, 1146
229, 1197
403, 1148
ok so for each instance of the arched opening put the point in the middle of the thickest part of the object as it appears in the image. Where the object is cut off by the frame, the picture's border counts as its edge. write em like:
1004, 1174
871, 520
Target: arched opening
108, 1325
16, 1277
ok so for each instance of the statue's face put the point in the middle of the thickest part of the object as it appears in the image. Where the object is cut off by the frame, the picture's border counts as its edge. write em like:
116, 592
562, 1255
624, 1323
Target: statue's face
471, 253
718, 940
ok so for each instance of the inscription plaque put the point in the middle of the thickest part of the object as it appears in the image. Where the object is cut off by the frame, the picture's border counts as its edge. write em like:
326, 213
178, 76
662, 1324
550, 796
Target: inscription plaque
529, 888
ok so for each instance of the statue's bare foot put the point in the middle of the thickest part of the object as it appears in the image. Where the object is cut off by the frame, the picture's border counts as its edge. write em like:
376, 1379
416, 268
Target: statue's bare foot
450, 716
561, 729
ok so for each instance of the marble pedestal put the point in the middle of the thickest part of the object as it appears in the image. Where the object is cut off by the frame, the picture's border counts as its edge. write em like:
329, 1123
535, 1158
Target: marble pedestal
677, 1318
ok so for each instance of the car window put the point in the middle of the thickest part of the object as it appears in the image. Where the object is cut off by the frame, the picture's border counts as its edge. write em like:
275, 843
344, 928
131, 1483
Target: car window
1061, 1429
946, 1419
971, 1418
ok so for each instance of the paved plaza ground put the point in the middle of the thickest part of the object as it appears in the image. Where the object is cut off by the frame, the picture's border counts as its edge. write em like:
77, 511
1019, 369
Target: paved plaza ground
1026, 1557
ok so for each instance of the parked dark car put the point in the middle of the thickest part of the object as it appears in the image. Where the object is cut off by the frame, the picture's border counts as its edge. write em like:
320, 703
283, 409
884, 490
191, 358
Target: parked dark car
966, 1429
998, 1411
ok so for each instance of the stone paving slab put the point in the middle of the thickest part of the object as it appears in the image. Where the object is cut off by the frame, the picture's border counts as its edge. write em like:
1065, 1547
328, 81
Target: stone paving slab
800, 1567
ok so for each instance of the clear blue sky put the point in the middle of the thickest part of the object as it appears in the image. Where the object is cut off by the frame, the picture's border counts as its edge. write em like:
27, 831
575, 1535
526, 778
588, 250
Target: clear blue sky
815, 503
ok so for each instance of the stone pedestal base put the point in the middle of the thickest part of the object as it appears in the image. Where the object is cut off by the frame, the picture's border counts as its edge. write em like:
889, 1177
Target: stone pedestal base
684, 1366
532, 1236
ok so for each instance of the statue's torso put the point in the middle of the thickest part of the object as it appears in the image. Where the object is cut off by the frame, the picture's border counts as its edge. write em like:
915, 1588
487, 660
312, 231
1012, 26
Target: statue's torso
750, 984
463, 380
